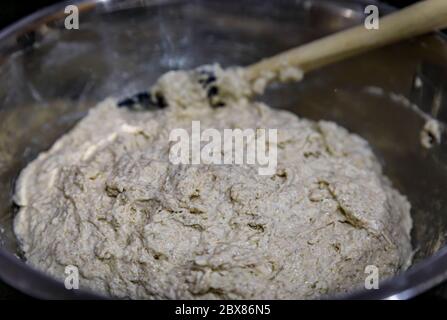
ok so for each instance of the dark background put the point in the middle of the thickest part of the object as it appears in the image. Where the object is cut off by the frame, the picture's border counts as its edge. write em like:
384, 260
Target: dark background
13, 10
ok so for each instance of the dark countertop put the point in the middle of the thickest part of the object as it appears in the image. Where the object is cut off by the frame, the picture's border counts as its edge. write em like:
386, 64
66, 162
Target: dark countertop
8, 293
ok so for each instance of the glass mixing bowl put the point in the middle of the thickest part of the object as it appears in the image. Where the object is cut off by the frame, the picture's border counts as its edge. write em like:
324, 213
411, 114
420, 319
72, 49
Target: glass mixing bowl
50, 77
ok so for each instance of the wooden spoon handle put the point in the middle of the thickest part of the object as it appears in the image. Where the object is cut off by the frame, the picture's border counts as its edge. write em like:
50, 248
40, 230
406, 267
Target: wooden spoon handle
414, 20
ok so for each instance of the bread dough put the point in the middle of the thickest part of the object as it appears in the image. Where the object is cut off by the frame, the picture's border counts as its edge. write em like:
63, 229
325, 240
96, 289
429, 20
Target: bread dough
106, 199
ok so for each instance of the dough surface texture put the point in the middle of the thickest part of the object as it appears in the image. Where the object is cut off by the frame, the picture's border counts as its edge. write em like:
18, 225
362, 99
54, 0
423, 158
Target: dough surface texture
106, 199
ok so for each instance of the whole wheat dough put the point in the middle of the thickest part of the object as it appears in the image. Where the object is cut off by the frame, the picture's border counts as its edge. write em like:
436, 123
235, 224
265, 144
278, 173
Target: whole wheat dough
106, 199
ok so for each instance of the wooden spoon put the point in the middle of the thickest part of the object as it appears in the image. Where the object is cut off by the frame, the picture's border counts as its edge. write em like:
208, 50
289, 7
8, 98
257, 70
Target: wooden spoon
420, 18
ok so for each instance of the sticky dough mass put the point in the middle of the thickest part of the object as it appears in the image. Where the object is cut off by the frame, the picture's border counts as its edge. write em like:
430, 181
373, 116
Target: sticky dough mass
106, 198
